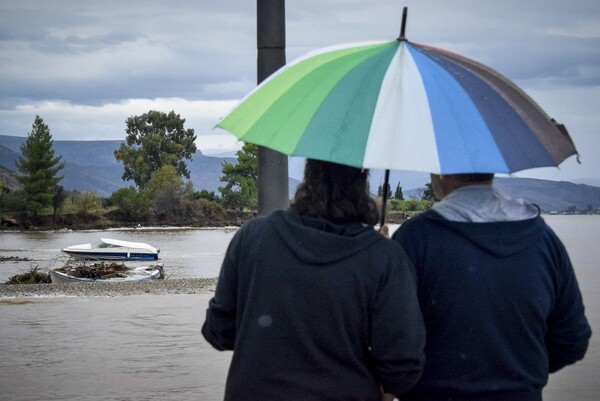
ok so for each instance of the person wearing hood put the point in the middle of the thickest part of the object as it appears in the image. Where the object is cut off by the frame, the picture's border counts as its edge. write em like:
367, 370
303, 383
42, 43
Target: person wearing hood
316, 304
498, 293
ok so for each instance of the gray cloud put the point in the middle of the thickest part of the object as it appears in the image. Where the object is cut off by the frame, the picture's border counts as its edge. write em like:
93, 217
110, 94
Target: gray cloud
94, 52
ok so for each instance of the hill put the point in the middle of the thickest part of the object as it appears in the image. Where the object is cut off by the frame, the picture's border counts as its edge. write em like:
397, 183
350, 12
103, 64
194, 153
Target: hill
91, 166
552, 195
8, 178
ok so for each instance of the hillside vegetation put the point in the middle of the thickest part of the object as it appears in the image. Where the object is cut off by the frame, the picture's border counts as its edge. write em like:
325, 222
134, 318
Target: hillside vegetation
90, 166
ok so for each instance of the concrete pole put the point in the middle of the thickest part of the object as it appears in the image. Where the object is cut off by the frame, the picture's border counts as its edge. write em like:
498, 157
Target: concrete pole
272, 165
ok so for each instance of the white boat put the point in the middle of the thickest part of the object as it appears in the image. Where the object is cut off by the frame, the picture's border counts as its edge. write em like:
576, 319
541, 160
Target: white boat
136, 274
113, 249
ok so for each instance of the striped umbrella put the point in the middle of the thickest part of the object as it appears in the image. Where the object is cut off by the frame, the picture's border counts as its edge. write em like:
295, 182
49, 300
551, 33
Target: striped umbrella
399, 105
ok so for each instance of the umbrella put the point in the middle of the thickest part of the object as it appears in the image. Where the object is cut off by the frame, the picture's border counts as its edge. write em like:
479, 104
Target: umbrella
399, 105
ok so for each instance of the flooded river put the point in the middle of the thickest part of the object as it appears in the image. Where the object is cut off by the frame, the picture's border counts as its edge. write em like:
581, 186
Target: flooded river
149, 347
185, 253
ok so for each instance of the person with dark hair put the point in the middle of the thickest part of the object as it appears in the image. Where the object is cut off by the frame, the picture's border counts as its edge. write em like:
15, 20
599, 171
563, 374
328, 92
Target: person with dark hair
498, 294
314, 303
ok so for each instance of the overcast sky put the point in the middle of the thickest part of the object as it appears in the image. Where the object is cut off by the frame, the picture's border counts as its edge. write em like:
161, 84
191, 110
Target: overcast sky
85, 66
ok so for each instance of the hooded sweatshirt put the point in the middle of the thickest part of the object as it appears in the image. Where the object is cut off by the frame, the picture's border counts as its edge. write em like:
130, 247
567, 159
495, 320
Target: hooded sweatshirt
501, 305
315, 311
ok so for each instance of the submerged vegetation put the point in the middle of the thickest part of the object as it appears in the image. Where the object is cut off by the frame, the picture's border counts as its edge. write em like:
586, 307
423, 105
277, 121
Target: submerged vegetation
95, 270
33, 276
102, 270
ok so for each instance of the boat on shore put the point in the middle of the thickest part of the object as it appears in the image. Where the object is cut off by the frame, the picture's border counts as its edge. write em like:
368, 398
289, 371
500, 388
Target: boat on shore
105, 274
112, 249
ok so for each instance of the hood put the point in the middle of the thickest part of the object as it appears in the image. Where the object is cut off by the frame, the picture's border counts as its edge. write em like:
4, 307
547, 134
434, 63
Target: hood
318, 241
501, 238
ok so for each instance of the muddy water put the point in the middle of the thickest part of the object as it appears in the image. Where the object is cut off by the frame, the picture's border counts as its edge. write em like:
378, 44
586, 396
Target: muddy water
149, 347
145, 347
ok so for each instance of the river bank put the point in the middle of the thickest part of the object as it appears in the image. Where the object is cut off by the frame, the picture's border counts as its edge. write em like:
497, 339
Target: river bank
189, 286
13, 222
9, 222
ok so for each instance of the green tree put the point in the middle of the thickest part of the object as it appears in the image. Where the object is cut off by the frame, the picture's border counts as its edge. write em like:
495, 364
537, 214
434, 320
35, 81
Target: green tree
398, 193
155, 139
428, 193
206, 194
133, 205
165, 178
240, 190
58, 198
168, 191
388, 189
210, 209
39, 168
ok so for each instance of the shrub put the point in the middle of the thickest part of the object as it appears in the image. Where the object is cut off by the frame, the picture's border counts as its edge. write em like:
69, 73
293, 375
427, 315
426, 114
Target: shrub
133, 205
82, 203
210, 209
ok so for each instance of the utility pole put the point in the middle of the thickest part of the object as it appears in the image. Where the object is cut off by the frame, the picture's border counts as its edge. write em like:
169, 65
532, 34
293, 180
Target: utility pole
272, 165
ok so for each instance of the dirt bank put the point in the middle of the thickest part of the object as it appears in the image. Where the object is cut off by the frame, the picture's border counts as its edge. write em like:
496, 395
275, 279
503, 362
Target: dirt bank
154, 287
99, 222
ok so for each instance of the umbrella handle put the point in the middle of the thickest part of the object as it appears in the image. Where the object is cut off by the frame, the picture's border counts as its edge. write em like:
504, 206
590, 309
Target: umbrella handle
386, 181
401, 38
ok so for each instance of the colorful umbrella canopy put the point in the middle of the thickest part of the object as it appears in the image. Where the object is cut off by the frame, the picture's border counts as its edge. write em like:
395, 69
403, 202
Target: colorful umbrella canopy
399, 105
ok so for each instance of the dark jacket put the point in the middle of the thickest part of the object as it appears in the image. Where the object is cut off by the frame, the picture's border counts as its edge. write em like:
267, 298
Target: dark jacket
501, 305
315, 311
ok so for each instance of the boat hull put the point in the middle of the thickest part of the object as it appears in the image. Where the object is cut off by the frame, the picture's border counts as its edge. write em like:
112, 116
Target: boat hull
87, 255
113, 249
141, 273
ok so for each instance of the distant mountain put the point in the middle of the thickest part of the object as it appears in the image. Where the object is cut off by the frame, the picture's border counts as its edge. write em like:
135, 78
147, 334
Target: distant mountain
548, 195
8, 179
587, 181
551, 195
91, 166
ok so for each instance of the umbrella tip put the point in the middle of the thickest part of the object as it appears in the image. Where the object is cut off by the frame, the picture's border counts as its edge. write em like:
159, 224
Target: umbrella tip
402, 38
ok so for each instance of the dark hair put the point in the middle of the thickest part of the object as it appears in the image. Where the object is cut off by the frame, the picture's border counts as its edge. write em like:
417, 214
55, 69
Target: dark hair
474, 178
336, 193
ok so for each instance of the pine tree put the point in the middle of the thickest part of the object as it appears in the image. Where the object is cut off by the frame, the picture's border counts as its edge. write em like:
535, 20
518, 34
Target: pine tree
387, 190
398, 194
428, 193
39, 168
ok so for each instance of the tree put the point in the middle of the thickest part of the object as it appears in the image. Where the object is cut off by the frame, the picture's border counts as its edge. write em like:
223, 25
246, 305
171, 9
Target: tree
206, 194
39, 168
154, 140
240, 190
388, 191
428, 193
133, 205
167, 191
398, 193
58, 198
